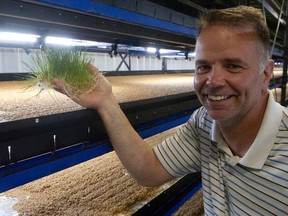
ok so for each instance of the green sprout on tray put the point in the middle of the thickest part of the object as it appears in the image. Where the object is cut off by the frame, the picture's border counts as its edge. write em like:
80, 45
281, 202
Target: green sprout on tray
67, 64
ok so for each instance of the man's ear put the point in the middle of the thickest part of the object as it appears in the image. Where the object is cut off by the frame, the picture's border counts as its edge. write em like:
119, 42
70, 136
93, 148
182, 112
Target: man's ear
268, 72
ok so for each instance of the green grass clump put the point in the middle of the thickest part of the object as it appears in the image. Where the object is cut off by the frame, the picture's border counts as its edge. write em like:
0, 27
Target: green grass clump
66, 64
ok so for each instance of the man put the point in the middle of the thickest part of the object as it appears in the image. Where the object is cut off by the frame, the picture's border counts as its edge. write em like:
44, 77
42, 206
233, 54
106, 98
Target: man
237, 139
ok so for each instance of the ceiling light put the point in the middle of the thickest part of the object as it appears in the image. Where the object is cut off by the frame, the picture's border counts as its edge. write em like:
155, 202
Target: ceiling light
71, 42
193, 54
167, 51
151, 49
18, 37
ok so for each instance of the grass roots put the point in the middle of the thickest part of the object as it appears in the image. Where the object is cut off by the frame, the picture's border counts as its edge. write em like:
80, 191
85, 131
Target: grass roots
68, 65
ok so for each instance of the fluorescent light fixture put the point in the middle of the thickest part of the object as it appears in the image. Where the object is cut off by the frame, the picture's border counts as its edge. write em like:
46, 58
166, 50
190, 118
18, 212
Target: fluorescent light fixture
193, 54
18, 37
71, 42
137, 49
151, 49
161, 51
103, 46
178, 54
168, 51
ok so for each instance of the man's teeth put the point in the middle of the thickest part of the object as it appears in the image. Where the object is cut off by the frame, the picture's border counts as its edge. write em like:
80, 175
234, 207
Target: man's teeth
217, 97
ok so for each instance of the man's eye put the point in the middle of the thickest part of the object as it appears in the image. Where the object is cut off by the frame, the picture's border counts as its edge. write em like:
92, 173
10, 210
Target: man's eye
234, 68
203, 69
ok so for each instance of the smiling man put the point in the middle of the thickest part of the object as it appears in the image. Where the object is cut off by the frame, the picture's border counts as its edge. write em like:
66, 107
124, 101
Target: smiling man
237, 139
231, 81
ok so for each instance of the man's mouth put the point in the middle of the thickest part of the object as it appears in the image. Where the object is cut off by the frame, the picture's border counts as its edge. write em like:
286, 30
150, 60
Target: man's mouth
217, 97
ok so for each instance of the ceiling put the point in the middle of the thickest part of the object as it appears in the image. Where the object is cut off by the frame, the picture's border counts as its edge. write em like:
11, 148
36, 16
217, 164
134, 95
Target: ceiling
68, 18
272, 11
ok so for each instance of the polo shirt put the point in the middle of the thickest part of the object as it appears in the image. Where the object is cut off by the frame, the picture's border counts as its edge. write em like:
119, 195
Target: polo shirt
256, 184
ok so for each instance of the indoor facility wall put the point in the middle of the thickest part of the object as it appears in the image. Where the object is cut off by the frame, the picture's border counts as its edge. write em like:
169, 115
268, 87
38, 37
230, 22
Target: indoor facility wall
12, 61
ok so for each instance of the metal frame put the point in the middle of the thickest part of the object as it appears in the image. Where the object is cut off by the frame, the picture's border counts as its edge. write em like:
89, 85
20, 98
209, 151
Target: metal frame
274, 9
123, 61
22, 172
171, 199
35, 147
285, 63
70, 18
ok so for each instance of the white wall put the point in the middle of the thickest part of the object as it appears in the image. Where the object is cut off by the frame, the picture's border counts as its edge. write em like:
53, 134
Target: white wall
11, 61
180, 64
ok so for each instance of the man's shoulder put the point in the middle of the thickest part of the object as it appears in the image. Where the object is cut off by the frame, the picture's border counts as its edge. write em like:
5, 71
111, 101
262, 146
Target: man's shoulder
201, 119
284, 122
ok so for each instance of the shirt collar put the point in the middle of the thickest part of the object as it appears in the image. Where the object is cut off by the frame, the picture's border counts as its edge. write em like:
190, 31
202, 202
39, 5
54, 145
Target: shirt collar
258, 152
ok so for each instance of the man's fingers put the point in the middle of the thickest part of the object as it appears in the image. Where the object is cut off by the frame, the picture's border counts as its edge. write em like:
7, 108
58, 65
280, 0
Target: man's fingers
93, 69
59, 85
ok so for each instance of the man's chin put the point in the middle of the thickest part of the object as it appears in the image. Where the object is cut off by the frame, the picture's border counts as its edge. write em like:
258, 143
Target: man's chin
218, 115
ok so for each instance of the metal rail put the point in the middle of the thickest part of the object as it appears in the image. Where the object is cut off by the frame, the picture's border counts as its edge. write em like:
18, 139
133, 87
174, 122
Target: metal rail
35, 147
90, 21
171, 199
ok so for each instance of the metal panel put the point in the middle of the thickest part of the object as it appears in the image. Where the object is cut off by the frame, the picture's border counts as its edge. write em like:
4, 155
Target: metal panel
32, 140
163, 13
177, 18
107, 2
82, 24
190, 21
146, 8
23, 172
126, 4
285, 64
27, 138
171, 199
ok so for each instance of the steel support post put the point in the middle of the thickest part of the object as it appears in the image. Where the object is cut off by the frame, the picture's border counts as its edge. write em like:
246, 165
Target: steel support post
285, 62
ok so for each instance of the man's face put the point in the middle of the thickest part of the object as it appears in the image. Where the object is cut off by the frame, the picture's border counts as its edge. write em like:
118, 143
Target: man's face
228, 80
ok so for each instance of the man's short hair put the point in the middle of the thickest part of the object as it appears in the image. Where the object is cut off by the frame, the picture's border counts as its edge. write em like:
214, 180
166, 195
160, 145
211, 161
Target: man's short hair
239, 17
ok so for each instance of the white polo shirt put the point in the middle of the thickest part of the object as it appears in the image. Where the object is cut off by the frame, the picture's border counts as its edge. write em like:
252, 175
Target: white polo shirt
256, 184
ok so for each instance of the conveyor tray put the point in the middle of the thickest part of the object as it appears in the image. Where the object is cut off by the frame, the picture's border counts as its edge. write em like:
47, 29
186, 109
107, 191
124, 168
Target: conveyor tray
28, 138
171, 199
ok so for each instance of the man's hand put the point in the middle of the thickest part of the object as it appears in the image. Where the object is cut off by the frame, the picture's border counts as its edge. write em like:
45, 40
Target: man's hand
136, 155
95, 99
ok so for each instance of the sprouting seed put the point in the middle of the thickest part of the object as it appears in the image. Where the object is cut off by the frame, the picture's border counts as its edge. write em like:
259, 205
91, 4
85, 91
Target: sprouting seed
67, 64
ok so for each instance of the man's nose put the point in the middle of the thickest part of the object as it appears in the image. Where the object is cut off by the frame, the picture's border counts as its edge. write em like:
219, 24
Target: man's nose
215, 77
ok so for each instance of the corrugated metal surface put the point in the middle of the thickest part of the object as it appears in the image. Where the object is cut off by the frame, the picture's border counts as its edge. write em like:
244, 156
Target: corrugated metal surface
12, 61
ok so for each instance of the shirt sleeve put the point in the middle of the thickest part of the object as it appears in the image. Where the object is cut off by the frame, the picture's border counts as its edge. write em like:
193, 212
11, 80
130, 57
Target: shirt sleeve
180, 153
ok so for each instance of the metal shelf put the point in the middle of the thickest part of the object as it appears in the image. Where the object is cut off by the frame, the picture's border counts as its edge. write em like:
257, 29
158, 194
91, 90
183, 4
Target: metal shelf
89, 20
35, 147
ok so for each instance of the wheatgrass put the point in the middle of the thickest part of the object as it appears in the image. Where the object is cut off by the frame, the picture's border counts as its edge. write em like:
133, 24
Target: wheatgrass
67, 64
